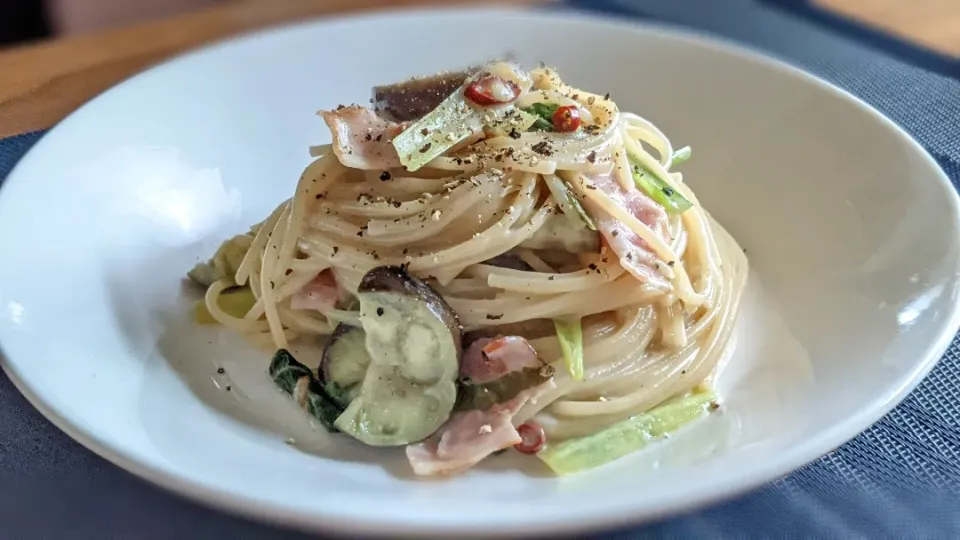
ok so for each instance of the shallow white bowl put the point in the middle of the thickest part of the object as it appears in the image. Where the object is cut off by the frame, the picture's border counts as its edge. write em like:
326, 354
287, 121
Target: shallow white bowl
851, 229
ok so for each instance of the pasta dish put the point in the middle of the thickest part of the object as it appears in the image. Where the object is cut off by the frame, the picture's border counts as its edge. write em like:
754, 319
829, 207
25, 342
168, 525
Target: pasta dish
492, 259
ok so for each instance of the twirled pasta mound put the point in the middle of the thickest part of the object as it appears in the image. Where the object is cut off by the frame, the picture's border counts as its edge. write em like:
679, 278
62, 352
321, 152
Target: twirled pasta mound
493, 259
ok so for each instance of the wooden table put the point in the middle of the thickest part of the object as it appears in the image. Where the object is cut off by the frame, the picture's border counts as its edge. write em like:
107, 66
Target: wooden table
934, 24
40, 84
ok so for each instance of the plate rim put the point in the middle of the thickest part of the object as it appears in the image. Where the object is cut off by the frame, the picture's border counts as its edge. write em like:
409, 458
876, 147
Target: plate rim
245, 505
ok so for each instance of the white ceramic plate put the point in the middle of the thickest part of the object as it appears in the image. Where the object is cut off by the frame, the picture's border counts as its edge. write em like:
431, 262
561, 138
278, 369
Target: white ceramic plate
851, 229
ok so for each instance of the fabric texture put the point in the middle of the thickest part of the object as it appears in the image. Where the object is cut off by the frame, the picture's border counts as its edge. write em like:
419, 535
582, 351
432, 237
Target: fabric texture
899, 479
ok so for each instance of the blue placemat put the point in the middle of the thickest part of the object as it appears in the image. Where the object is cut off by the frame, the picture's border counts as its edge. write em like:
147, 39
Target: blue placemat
899, 479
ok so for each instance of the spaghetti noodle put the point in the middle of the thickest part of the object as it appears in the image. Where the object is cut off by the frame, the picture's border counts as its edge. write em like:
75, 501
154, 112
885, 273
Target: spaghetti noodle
650, 280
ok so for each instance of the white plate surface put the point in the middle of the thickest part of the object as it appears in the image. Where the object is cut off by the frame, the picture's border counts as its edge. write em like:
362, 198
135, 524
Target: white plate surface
850, 227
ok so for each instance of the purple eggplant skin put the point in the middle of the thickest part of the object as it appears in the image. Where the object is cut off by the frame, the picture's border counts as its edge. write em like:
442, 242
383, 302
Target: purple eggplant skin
395, 279
411, 100
510, 261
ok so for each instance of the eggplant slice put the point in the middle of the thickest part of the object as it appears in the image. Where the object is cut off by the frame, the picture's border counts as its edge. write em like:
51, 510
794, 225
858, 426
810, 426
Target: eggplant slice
413, 340
344, 364
410, 100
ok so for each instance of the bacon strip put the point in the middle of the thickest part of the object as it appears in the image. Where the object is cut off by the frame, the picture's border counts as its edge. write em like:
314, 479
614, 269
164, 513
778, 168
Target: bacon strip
488, 359
321, 294
634, 253
361, 139
470, 436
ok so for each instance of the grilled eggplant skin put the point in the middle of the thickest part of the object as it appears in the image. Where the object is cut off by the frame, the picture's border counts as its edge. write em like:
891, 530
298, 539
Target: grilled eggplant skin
410, 100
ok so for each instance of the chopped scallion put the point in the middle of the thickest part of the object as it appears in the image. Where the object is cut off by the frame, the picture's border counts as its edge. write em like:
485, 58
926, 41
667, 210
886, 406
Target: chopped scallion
439, 130
451, 122
575, 203
680, 156
657, 188
570, 335
628, 436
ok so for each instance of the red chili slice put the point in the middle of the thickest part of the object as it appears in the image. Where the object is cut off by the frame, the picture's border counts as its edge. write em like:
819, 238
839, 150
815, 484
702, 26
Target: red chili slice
566, 119
532, 437
491, 90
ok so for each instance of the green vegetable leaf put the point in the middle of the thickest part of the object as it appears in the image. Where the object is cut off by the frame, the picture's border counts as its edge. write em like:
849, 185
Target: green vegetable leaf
543, 109
657, 188
544, 113
286, 372
541, 125
628, 436
570, 334
297, 380
680, 156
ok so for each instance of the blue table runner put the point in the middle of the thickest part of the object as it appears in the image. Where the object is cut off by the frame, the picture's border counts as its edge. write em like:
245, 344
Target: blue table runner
899, 479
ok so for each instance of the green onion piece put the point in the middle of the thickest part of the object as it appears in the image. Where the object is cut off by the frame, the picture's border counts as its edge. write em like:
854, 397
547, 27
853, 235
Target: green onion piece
451, 122
543, 109
570, 335
626, 437
575, 203
680, 156
658, 189
569, 205
544, 113
541, 125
